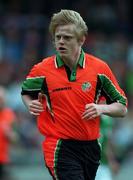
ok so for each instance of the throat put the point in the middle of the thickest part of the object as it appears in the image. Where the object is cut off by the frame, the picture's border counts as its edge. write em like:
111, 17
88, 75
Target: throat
70, 63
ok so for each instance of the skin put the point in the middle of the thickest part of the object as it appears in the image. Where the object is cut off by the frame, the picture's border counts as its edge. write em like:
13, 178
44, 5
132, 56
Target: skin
69, 46
35, 107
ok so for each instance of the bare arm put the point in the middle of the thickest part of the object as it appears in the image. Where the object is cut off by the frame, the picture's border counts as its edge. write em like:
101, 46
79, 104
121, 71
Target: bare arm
35, 107
94, 110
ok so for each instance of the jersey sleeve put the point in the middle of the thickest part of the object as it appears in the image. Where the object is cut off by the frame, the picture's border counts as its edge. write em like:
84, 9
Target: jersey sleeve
110, 88
33, 82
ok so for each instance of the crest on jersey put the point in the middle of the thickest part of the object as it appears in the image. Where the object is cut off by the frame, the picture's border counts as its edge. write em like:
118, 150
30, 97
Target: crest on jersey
86, 86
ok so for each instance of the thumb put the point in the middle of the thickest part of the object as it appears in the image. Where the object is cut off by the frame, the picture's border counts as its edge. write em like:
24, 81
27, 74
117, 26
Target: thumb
90, 105
86, 106
40, 97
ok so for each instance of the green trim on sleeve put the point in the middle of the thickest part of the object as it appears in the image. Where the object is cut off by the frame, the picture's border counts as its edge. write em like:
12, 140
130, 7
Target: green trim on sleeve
111, 92
33, 84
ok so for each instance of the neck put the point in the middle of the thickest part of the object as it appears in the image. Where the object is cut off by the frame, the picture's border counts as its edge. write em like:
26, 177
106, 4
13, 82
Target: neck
71, 62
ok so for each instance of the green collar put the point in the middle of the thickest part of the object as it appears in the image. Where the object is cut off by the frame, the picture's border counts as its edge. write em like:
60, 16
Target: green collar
60, 63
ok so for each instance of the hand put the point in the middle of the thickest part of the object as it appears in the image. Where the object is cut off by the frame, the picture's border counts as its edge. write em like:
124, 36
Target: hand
91, 111
36, 106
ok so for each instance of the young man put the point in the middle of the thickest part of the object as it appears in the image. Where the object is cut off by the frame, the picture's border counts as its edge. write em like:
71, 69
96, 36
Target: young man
63, 91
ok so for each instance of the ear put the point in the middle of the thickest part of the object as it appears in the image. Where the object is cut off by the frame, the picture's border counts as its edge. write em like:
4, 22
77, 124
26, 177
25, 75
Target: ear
82, 40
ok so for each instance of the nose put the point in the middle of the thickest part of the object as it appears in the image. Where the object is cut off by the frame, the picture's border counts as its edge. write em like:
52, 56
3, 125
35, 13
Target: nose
61, 40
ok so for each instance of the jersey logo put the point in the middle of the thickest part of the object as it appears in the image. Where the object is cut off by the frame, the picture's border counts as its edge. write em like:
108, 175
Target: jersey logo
86, 86
62, 89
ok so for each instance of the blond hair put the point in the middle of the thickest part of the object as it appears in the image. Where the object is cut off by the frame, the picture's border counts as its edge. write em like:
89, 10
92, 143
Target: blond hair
65, 17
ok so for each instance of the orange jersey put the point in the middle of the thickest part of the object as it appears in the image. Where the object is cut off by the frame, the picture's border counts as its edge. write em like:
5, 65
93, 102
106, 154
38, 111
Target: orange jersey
7, 117
67, 93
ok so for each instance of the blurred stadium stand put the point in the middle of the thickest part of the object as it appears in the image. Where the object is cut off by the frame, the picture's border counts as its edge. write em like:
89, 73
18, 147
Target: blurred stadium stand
24, 41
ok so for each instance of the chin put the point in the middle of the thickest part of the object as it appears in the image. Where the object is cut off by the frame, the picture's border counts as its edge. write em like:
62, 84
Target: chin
63, 55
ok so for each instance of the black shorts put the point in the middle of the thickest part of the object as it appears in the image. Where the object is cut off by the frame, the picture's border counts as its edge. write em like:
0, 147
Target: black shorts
77, 160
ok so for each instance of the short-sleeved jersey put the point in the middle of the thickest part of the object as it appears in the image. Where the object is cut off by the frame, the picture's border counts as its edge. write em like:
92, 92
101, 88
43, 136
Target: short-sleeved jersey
67, 93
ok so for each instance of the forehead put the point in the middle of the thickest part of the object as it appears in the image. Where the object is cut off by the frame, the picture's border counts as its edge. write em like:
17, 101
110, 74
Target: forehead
65, 29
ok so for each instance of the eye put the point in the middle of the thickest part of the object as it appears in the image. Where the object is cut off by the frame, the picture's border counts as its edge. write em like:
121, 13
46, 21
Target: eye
57, 37
67, 38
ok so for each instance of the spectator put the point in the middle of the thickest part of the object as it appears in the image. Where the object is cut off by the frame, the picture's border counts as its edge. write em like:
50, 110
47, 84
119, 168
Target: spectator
7, 135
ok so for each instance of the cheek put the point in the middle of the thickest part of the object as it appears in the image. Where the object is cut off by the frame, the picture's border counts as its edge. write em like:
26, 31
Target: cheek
74, 47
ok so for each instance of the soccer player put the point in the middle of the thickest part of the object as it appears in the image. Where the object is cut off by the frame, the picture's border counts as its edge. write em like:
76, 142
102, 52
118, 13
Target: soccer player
7, 135
63, 91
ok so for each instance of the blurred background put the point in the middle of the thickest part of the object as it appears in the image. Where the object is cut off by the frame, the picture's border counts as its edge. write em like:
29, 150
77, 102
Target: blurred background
24, 41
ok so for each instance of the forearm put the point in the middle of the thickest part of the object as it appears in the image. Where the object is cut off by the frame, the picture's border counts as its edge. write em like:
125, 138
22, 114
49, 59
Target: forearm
26, 100
114, 109
35, 107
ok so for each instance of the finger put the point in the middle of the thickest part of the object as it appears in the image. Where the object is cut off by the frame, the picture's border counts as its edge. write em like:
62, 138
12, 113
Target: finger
92, 117
88, 115
90, 108
35, 114
36, 108
40, 97
89, 105
88, 111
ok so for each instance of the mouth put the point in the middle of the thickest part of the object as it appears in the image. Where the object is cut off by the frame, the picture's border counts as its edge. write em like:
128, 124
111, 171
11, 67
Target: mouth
61, 49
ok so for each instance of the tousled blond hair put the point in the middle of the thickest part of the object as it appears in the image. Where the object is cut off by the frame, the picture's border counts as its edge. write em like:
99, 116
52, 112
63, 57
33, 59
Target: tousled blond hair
65, 17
